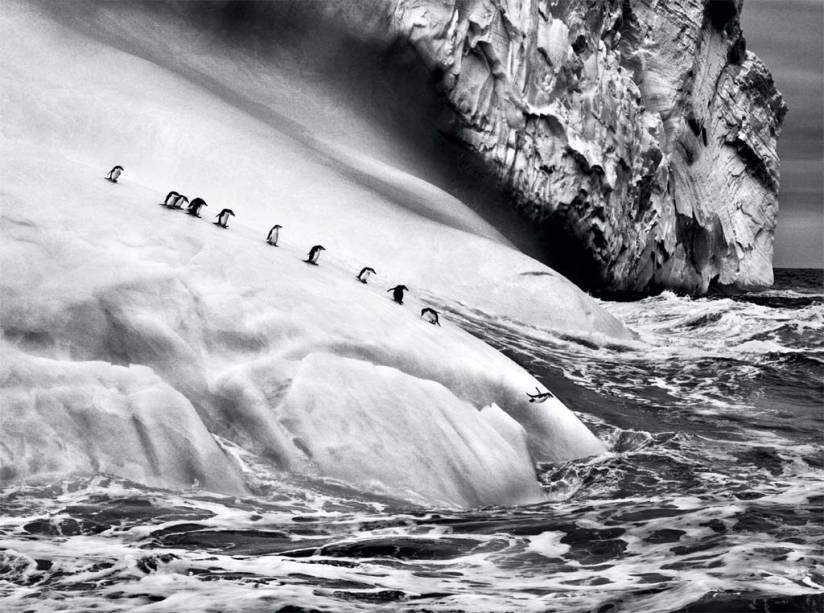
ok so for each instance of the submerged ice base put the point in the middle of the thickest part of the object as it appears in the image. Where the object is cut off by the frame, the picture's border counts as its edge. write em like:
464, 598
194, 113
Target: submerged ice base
133, 334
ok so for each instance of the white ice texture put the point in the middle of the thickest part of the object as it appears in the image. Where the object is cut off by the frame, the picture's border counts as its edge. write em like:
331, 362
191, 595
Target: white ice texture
133, 335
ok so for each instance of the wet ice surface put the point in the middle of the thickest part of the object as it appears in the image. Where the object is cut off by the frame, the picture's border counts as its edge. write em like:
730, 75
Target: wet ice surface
710, 498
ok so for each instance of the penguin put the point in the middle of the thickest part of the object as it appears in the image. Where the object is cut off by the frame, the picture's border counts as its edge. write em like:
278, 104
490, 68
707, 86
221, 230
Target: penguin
171, 197
114, 173
272, 237
397, 293
223, 218
363, 275
180, 202
314, 254
431, 315
195, 206
540, 396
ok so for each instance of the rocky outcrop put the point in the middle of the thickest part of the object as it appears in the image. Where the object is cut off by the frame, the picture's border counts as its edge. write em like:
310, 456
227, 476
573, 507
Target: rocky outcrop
640, 133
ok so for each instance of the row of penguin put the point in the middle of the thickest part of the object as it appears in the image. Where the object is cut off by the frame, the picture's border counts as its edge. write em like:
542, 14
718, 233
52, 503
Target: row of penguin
175, 200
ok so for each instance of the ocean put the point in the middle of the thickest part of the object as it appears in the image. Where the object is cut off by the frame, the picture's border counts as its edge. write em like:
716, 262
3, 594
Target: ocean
711, 497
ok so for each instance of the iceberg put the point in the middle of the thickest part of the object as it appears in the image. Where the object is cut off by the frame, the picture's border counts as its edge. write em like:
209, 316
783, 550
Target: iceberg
134, 335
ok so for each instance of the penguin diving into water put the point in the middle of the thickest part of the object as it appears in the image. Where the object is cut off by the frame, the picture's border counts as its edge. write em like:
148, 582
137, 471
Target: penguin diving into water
397, 293
223, 218
171, 198
314, 254
431, 316
195, 206
272, 237
366, 271
540, 396
114, 173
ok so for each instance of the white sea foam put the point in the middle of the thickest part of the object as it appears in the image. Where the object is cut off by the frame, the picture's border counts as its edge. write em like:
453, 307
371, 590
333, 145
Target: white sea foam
548, 544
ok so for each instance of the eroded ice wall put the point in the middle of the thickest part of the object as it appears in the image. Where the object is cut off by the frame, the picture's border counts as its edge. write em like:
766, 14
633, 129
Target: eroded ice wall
640, 134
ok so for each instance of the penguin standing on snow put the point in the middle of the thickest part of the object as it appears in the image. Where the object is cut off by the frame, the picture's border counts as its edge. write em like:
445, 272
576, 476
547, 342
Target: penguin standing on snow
114, 173
314, 254
272, 237
366, 271
180, 202
171, 198
397, 293
430, 315
223, 218
195, 206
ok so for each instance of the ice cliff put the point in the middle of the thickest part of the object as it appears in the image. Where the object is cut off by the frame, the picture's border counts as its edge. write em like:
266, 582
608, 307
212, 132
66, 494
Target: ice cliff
640, 134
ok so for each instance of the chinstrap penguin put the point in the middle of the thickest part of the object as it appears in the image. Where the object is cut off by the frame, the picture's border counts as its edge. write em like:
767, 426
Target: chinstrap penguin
180, 202
170, 199
223, 218
195, 206
540, 396
274, 233
365, 273
115, 173
314, 254
397, 293
430, 315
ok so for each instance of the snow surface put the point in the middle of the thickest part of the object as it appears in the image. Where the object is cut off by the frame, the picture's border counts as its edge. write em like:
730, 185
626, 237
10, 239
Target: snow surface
133, 333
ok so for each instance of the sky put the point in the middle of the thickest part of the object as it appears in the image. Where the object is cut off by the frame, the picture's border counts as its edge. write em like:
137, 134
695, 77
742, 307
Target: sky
788, 35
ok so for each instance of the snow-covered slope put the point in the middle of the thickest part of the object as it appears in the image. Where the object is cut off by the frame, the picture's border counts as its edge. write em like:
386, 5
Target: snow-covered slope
132, 334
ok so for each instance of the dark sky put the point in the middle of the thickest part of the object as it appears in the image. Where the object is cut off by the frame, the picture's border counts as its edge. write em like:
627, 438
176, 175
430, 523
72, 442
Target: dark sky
787, 36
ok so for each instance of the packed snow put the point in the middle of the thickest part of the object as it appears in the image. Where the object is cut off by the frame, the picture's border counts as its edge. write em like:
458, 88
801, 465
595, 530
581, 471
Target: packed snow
133, 335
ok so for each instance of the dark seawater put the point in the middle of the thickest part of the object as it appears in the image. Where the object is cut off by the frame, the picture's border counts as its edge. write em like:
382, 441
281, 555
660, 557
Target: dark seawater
710, 499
